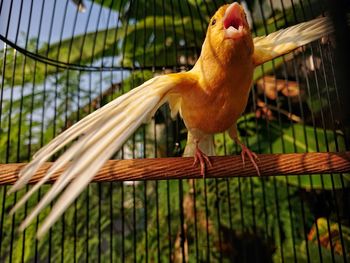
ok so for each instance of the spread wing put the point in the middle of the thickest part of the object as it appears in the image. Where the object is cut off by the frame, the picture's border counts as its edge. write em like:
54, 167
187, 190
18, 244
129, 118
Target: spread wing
100, 134
285, 40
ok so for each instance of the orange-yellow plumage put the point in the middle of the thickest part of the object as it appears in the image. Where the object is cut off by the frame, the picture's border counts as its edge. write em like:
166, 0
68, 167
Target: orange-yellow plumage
223, 75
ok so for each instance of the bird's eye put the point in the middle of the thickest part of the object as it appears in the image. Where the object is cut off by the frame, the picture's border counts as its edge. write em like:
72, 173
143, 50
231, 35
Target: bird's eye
213, 22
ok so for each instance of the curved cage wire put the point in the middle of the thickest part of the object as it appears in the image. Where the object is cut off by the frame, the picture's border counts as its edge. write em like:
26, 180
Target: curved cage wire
61, 60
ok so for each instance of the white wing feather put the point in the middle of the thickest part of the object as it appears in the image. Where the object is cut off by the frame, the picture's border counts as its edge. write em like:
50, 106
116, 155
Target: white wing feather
102, 134
286, 40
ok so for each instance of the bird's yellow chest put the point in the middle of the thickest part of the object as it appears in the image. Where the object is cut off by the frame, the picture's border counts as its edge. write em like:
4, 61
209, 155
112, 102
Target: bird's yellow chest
215, 105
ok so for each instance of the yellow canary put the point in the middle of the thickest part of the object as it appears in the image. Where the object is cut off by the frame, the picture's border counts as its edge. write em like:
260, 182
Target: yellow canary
210, 98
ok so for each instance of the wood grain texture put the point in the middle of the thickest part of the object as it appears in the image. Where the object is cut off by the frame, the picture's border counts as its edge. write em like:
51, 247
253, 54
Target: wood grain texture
181, 167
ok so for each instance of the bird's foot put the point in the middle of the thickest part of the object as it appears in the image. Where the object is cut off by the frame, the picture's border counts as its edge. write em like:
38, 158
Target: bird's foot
252, 157
203, 160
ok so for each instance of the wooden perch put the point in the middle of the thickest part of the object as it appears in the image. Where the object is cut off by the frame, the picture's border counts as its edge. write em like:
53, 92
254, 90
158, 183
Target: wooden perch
181, 168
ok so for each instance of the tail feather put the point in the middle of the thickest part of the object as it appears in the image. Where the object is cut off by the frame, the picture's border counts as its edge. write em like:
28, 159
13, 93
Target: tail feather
104, 133
285, 40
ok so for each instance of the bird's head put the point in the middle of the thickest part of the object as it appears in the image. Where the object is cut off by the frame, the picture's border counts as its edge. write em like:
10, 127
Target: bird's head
228, 34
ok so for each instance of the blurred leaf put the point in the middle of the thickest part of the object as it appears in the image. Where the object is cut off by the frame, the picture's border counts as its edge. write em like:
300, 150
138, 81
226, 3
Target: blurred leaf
317, 104
267, 68
314, 254
299, 138
330, 236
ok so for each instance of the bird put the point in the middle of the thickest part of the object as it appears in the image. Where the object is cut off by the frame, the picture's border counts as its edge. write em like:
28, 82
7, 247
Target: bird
210, 98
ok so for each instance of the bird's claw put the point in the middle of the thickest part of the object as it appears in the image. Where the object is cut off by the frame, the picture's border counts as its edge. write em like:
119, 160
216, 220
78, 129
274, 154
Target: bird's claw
252, 157
202, 159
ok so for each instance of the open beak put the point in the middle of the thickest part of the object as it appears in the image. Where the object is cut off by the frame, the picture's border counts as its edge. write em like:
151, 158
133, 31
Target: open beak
233, 21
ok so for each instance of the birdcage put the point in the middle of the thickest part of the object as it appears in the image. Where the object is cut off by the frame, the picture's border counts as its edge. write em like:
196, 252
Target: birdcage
61, 60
